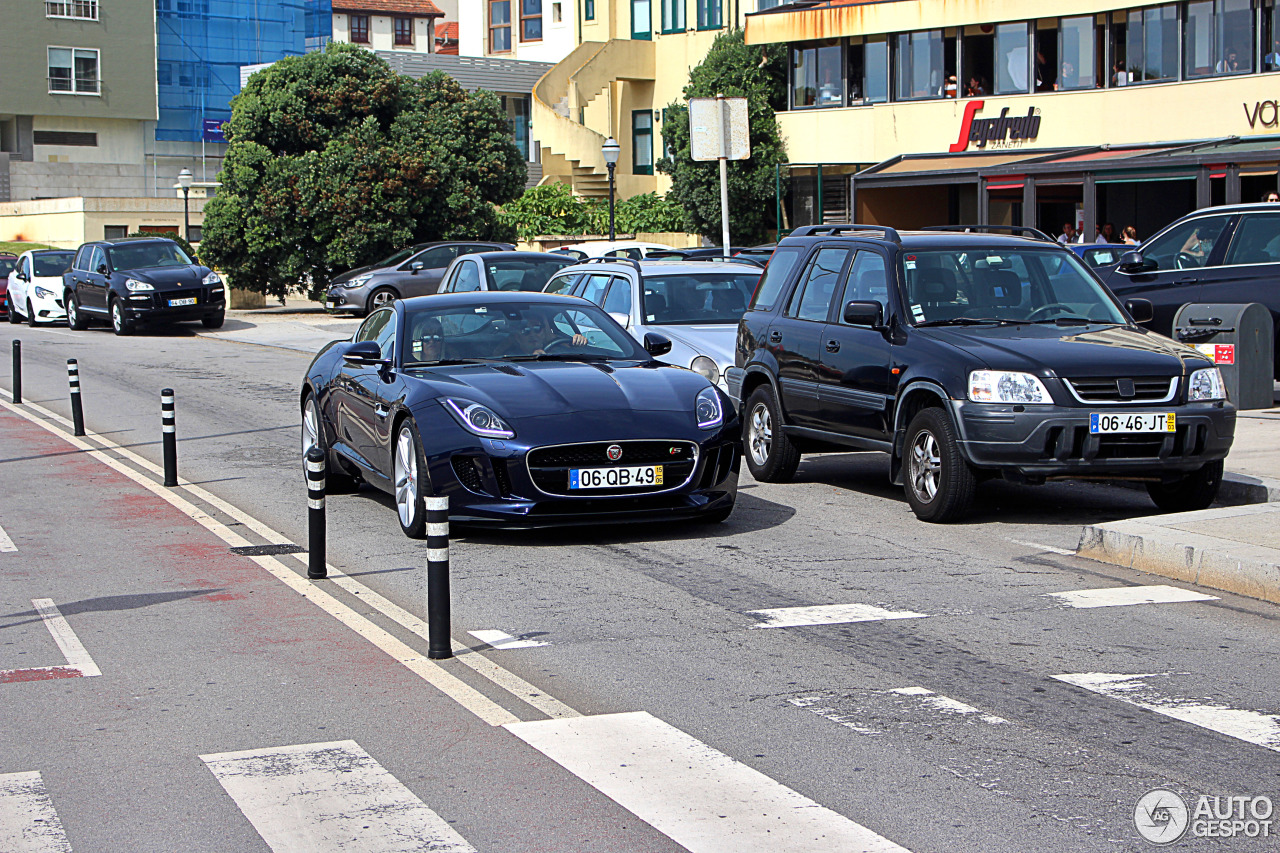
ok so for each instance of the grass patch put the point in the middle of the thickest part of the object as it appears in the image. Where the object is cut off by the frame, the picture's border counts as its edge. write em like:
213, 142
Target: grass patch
19, 248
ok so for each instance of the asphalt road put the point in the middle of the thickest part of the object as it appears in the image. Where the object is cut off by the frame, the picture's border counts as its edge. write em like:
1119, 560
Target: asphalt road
963, 726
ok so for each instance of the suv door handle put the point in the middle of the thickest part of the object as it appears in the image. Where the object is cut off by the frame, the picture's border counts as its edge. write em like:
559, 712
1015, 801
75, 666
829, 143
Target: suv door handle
775, 337
1187, 280
833, 346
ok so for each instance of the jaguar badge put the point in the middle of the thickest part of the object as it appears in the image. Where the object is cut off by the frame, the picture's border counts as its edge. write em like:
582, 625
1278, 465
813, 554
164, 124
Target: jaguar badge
614, 452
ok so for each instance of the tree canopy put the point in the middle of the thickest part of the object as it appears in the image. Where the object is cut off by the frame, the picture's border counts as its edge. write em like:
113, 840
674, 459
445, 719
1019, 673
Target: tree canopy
336, 161
734, 69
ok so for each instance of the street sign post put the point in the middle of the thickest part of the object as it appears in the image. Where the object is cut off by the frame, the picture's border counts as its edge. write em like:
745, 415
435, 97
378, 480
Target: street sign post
719, 130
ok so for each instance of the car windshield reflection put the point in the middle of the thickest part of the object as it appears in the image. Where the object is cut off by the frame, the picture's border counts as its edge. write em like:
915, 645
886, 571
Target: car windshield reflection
143, 256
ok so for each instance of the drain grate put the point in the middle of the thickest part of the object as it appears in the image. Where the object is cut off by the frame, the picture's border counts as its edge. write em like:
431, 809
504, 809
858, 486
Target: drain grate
267, 550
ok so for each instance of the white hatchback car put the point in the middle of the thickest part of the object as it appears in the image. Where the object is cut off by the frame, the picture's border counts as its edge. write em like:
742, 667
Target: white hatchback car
633, 249
35, 286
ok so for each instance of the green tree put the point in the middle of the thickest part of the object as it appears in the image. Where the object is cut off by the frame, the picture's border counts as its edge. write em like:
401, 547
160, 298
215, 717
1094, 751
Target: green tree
546, 210
735, 69
335, 161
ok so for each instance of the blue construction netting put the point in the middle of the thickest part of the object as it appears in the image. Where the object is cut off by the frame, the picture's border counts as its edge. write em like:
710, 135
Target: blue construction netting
201, 45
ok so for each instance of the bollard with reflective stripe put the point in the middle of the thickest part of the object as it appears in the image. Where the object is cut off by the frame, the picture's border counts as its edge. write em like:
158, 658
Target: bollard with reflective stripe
316, 567
438, 631
168, 424
17, 372
77, 411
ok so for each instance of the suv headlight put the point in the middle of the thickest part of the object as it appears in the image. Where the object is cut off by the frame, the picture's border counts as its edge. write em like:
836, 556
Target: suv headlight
358, 281
706, 367
706, 408
213, 278
993, 386
134, 285
1206, 384
477, 419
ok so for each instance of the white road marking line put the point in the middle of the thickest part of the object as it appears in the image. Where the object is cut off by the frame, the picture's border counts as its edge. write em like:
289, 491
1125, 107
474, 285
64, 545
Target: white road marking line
508, 681
6, 544
503, 640
827, 614
849, 721
72, 648
1250, 726
1123, 596
701, 798
1052, 550
320, 797
28, 822
926, 698
946, 704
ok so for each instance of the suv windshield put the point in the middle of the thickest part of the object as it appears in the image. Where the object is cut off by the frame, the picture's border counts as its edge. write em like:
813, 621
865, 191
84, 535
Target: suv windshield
527, 274
52, 263
143, 256
695, 298
1003, 285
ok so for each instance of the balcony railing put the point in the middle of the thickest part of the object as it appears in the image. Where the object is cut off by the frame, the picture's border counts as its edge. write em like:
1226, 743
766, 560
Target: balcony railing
81, 10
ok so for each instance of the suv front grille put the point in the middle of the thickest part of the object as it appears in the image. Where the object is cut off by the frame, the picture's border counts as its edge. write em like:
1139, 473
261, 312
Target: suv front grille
1109, 389
549, 466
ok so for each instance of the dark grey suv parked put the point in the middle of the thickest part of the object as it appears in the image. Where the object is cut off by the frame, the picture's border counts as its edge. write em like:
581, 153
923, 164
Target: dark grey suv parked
415, 271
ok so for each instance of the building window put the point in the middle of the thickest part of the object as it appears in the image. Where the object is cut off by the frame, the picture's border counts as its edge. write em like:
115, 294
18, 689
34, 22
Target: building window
641, 20
1077, 53
65, 137
589, 10
768, 4
673, 16
815, 75
1012, 63
359, 28
868, 78
557, 13
641, 142
403, 31
920, 65
115, 232
1271, 36
1151, 44
709, 12
499, 26
73, 70
1218, 38
530, 20
84, 10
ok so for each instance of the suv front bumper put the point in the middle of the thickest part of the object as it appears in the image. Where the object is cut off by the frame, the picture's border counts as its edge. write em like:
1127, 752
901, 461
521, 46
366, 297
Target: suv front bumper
1054, 441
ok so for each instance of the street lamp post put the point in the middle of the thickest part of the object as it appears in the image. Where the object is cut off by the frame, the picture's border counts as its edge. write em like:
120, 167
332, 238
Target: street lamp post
610, 150
184, 181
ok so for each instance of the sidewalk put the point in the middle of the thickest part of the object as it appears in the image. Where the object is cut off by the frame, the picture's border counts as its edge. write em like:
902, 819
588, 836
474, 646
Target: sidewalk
303, 326
1233, 548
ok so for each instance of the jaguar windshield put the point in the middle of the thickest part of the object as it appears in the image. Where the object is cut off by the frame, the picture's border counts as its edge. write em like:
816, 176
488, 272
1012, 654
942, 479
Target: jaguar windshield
964, 287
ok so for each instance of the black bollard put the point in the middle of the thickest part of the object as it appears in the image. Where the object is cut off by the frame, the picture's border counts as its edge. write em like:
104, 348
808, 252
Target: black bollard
316, 567
168, 420
17, 372
77, 411
438, 643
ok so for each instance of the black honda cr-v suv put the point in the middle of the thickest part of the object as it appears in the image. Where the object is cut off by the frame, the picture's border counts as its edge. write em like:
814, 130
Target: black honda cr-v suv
967, 356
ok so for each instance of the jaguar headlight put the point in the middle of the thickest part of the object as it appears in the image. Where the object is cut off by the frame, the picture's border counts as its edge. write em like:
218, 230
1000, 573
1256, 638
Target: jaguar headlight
477, 419
1206, 384
706, 408
134, 285
707, 368
994, 386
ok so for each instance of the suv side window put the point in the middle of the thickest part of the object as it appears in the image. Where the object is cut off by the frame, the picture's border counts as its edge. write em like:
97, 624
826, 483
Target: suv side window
593, 290
776, 274
868, 281
97, 259
561, 284
618, 301
1186, 246
82, 258
1256, 241
812, 300
466, 278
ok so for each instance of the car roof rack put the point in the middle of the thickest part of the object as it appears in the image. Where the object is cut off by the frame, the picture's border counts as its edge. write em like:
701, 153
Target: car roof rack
613, 259
836, 229
1013, 230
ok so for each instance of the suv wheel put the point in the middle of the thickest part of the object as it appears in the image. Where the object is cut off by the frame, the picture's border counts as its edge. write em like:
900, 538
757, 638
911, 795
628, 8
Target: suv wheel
120, 324
771, 456
75, 319
213, 321
938, 481
381, 296
1193, 492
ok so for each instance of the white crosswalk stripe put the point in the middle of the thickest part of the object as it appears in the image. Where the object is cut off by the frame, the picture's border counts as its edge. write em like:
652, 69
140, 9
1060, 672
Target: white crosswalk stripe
827, 614
6, 544
28, 822
1124, 596
322, 797
701, 798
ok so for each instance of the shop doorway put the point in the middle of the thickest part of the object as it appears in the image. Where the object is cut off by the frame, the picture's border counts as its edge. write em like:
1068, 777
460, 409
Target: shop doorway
1146, 205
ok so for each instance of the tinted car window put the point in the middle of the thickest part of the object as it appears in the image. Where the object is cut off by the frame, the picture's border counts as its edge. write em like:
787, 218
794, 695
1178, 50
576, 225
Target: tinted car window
527, 274
372, 328
1256, 241
619, 299
813, 300
1187, 245
97, 260
82, 258
776, 274
692, 298
52, 263
867, 280
466, 278
562, 284
437, 257
142, 256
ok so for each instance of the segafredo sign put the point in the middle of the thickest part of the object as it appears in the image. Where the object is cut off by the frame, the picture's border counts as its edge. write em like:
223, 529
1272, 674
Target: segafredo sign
1003, 131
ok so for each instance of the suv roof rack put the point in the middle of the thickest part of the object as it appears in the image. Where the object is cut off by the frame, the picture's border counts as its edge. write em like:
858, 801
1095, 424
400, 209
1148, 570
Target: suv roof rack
613, 259
1014, 230
839, 228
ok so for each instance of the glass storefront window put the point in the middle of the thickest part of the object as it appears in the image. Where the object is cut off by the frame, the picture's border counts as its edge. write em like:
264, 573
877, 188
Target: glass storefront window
1218, 38
1151, 48
1077, 52
816, 75
919, 71
1011, 59
868, 70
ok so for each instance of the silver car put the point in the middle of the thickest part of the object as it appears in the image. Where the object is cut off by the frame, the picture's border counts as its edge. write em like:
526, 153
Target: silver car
697, 304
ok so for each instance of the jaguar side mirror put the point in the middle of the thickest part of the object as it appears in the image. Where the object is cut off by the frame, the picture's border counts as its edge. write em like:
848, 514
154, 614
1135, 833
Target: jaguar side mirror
864, 314
1140, 310
656, 344
364, 352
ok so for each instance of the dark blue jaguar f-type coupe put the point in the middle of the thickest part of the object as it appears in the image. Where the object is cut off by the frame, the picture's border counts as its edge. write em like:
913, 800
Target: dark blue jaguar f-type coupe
525, 409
